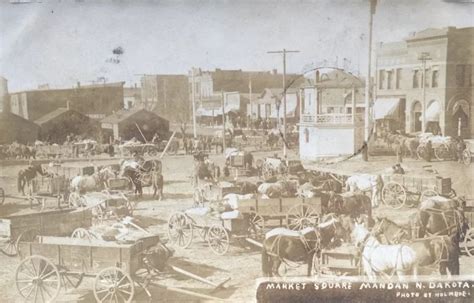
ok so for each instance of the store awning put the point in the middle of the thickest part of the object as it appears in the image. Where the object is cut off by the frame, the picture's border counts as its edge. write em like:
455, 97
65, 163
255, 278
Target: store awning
386, 108
432, 112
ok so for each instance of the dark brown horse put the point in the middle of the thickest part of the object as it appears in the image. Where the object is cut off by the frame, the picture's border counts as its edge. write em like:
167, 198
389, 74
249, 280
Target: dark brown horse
442, 251
26, 176
282, 245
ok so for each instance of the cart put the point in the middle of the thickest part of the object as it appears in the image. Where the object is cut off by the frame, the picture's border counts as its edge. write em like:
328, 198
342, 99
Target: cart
468, 242
52, 186
398, 188
442, 146
207, 191
107, 205
468, 153
17, 228
215, 228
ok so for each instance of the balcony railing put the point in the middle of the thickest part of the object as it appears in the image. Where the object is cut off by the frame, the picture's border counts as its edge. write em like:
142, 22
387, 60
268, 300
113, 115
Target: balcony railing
331, 118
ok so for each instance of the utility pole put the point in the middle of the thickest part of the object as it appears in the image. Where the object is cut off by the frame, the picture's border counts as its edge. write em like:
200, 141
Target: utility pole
223, 122
284, 52
424, 56
368, 81
194, 102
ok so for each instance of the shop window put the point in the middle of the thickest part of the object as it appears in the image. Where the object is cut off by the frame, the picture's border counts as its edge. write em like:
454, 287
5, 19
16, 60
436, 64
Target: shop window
434, 78
389, 79
398, 78
416, 76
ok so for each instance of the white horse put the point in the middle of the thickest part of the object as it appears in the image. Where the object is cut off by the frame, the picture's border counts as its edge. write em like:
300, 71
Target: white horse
380, 259
80, 184
366, 183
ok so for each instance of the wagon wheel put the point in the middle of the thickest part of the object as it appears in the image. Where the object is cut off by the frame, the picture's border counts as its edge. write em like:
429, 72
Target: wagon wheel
81, 233
218, 239
180, 229
442, 152
9, 248
69, 279
37, 279
466, 157
420, 150
113, 285
394, 195
428, 194
2, 196
26, 236
469, 242
256, 228
301, 216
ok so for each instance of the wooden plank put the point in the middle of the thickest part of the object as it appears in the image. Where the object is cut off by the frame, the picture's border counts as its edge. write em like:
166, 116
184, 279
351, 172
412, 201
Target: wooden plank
315, 202
269, 207
288, 203
247, 205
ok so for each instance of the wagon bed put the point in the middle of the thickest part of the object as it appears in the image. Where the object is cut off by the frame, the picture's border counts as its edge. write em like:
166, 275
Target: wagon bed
17, 228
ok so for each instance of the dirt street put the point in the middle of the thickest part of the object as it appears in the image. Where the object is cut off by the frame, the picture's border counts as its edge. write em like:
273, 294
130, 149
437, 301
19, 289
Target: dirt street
241, 264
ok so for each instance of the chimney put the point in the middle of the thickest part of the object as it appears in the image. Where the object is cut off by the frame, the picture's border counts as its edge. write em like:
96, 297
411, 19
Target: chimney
78, 84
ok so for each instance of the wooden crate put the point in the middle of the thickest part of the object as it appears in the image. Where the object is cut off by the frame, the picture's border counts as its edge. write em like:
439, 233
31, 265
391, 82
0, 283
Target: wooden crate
443, 185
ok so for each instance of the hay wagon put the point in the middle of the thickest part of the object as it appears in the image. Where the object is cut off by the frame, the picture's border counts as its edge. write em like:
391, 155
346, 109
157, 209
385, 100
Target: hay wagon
468, 152
399, 188
246, 222
17, 228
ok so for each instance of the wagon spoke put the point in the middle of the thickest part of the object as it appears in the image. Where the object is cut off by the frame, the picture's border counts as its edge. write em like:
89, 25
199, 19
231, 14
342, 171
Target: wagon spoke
30, 292
46, 290
28, 285
101, 291
36, 292
42, 295
35, 272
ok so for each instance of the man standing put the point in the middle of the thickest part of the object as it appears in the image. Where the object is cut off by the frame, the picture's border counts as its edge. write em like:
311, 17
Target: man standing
428, 151
460, 147
399, 152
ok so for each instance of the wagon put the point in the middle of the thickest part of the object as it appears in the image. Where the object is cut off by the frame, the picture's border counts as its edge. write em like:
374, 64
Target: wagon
398, 188
468, 242
51, 263
246, 222
468, 153
107, 204
206, 191
44, 187
142, 148
17, 228
442, 147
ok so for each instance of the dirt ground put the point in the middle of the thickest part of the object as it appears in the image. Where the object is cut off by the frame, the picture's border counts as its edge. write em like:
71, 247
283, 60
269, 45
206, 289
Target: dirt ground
241, 264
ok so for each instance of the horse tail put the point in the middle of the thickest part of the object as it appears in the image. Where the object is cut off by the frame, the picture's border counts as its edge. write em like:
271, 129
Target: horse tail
20, 181
266, 264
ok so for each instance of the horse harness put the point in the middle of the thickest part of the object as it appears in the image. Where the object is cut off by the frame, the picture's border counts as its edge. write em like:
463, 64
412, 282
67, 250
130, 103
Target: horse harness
449, 228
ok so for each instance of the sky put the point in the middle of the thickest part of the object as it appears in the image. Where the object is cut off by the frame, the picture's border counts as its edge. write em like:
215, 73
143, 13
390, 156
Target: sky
62, 42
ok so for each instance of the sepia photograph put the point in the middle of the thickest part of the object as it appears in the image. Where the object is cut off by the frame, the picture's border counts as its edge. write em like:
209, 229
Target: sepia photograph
237, 151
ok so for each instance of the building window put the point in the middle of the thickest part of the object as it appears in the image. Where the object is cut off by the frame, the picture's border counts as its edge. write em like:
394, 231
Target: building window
398, 78
381, 79
330, 110
389, 79
460, 74
434, 78
426, 78
416, 76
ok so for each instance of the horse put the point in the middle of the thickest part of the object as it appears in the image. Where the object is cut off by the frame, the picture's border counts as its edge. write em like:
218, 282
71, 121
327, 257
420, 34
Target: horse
438, 250
27, 175
283, 245
148, 174
246, 187
366, 183
278, 189
353, 204
82, 184
440, 216
385, 260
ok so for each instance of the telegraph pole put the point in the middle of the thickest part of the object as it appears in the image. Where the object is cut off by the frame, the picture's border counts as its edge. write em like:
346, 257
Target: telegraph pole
424, 56
284, 52
368, 81
223, 122
194, 102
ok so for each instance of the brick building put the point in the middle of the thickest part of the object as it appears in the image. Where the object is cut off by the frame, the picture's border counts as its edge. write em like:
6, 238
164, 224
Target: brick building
447, 56
166, 95
96, 101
